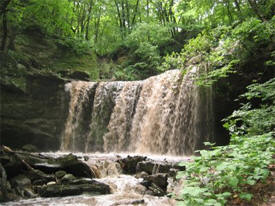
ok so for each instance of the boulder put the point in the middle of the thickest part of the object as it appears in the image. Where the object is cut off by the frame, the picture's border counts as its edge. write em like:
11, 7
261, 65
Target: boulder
76, 75
129, 164
74, 187
156, 184
71, 164
59, 174
20, 180
79, 75
159, 180
68, 163
29, 148
68, 178
153, 167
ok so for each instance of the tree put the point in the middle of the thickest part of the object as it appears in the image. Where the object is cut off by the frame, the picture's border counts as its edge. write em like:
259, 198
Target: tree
3, 13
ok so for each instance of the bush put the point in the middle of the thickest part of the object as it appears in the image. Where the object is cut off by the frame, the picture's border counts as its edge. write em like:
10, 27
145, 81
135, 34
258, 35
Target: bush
74, 45
229, 171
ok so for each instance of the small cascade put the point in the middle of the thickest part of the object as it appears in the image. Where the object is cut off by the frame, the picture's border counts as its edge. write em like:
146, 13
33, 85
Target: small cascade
81, 97
164, 114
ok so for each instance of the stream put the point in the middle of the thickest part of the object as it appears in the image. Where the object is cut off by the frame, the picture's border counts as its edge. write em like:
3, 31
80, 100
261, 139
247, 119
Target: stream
125, 189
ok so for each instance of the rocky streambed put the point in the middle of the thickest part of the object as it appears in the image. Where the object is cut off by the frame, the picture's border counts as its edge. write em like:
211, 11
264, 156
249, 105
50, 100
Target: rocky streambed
86, 179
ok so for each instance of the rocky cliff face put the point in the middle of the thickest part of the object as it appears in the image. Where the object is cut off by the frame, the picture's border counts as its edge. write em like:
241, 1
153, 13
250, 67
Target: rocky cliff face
35, 116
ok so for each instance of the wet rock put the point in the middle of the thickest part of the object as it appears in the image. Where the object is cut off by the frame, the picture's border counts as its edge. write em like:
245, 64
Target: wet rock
86, 158
141, 174
160, 180
20, 180
59, 174
51, 183
68, 177
39, 182
29, 148
72, 165
68, 163
153, 167
74, 188
51, 180
156, 184
11, 165
155, 191
21, 186
29, 193
129, 164
79, 75
131, 202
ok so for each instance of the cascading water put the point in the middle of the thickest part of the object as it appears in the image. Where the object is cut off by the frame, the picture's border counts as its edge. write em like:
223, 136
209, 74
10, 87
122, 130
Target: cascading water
81, 97
118, 138
104, 102
164, 114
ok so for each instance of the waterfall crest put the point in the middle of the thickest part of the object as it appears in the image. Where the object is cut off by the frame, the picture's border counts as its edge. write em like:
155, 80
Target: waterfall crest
164, 114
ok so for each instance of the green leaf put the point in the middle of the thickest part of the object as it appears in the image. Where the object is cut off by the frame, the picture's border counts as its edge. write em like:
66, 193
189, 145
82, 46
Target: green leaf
246, 196
251, 182
226, 194
233, 181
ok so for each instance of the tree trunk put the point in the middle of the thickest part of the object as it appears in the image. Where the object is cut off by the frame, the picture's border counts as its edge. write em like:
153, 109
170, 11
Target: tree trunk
3, 6
12, 36
255, 9
123, 15
135, 12
3, 13
88, 20
239, 9
97, 24
147, 8
119, 18
129, 25
5, 32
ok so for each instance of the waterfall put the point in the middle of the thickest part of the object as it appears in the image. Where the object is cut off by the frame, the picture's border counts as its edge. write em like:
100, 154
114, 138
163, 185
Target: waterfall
164, 114
81, 97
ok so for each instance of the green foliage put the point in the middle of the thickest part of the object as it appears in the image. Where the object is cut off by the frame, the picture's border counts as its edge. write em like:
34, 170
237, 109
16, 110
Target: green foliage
152, 33
77, 46
218, 174
144, 51
226, 171
255, 120
51, 16
222, 51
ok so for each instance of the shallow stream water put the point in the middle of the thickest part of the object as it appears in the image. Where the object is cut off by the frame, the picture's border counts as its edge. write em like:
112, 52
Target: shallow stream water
125, 189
